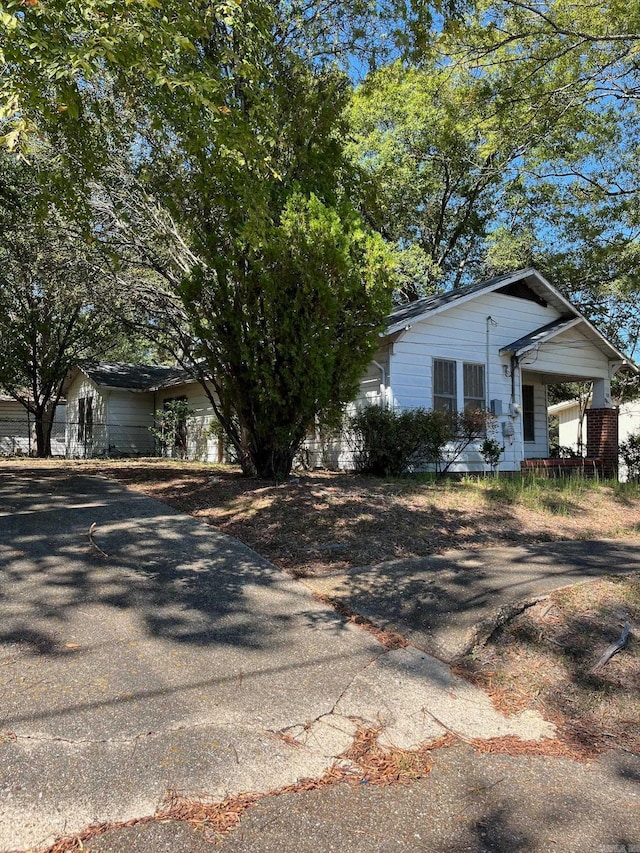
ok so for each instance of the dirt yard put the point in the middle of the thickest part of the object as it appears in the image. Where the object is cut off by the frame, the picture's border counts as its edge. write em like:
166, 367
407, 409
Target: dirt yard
321, 523
546, 658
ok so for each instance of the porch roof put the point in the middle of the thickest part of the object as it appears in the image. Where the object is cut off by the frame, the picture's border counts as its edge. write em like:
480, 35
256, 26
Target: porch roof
541, 336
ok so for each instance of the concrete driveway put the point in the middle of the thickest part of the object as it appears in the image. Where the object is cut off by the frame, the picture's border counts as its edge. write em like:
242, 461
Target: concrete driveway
446, 604
161, 655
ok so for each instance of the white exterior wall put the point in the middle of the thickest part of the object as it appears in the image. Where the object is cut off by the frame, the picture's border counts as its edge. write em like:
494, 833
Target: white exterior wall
121, 421
568, 418
129, 418
201, 445
337, 451
460, 334
76, 448
570, 353
629, 420
14, 429
15, 425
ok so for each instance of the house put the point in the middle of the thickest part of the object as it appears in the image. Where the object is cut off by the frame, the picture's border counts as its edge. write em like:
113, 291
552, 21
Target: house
17, 437
111, 412
572, 433
496, 344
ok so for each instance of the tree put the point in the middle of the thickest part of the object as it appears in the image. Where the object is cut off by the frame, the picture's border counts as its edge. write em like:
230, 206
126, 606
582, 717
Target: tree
597, 42
54, 309
282, 327
273, 288
60, 58
445, 152
229, 125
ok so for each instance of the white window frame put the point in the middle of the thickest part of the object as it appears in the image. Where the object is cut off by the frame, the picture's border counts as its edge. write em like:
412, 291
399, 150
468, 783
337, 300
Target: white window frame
481, 400
453, 397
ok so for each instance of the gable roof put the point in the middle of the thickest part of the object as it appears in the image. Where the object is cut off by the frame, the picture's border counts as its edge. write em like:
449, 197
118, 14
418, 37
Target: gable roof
527, 283
135, 377
526, 280
420, 308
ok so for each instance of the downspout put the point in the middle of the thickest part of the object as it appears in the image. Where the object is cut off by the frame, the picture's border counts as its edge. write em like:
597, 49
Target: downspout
490, 322
383, 384
515, 363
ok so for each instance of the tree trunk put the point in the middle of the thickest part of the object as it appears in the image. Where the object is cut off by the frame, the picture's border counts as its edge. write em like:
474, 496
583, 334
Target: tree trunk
273, 459
43, 427
272, 463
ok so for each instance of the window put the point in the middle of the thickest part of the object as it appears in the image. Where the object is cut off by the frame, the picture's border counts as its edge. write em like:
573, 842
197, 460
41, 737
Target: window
81, 419
528, 413
473, 382
444, 385
85, 418
88, 419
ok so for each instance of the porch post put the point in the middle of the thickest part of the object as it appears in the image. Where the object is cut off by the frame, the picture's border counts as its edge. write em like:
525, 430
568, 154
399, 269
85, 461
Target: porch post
602, 438
601, 394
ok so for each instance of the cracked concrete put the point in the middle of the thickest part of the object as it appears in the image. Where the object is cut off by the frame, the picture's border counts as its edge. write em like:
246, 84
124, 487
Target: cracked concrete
174, 663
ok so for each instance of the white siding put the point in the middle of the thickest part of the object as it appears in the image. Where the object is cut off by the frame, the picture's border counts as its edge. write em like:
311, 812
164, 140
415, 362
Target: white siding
14, 429
628, 424
129, 419
570, 353
463, 334
336, 451
568, 420
121, 421
201, 444
15, 426
629, 420
460, 334
77, 446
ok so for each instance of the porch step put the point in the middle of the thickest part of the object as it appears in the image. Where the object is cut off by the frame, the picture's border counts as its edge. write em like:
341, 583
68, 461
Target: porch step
589, 467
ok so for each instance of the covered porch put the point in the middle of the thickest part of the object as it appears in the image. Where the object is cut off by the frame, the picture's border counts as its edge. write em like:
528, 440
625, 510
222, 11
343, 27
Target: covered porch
566, 351
601, 448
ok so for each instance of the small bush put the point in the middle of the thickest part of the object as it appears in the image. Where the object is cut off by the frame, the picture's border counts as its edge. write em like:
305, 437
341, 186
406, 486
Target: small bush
491, 451
390, 443
170, 430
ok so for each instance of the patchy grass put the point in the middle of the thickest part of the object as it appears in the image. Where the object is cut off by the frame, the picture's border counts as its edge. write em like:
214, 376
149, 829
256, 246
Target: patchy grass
322, 522
544, 659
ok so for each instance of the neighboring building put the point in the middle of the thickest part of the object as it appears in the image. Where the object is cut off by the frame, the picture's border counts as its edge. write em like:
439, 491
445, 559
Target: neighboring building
111, 412
570, 431
496, 344
17, 436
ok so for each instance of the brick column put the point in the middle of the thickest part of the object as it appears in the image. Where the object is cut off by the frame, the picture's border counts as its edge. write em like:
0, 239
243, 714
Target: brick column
602, 439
